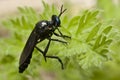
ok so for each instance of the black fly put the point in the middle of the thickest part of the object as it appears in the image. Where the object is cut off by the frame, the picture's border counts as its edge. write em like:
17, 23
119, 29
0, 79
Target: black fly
43, 30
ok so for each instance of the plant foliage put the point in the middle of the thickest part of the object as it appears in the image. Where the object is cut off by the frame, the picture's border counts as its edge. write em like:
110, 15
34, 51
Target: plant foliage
89, 46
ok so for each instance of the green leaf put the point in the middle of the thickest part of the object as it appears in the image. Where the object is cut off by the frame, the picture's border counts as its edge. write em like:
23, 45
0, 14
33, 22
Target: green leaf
93, 32
94, 14
45, 5
104, 51
24, 23
91, 16
73, 22
17, 36
103, 40
21, 9
27, 10
13, 21
96, 45
17, 22
107, 30
81, 24
108, 42
7, 59
88, 17
32, 10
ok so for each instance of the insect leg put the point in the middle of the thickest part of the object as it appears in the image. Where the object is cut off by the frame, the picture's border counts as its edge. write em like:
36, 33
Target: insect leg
63, 36
60, 34
53, 57
56, 57
59, 41
39, 49
45, 51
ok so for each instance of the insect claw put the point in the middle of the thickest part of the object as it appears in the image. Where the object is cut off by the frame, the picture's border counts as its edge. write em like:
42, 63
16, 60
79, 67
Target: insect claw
69, 37
64, 36
65, 43
62, 67
45, 59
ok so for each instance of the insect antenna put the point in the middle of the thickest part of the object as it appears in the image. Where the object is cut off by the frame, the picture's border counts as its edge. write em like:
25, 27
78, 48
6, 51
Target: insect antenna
61, 11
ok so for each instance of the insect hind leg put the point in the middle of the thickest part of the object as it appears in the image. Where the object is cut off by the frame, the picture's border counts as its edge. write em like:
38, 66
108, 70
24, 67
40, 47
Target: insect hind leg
52, 57
56, 57
45, 56
41, 52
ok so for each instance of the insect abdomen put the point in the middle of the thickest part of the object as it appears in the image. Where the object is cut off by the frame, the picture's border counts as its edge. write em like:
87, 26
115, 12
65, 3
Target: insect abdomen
23, 66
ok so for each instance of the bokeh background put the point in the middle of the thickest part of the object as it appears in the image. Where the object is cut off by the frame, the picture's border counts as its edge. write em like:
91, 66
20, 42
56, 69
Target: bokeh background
17, 20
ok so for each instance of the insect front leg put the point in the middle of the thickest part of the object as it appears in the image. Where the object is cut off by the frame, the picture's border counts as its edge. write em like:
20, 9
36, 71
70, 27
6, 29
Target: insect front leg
57, 40
60, 34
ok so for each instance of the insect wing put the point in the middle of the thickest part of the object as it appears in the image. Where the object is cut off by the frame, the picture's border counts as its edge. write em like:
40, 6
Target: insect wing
27, 51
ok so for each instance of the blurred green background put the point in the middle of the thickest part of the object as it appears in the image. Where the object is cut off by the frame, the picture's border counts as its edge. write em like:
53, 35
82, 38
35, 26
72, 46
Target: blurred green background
91, 54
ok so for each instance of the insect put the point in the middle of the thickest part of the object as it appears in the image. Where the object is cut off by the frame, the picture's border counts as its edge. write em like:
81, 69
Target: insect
43, 30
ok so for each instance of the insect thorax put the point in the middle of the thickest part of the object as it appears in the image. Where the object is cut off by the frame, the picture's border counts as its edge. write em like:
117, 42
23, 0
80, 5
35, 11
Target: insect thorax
44, 29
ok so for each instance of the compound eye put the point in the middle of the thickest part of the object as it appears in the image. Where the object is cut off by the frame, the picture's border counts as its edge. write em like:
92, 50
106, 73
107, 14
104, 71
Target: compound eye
57, 21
